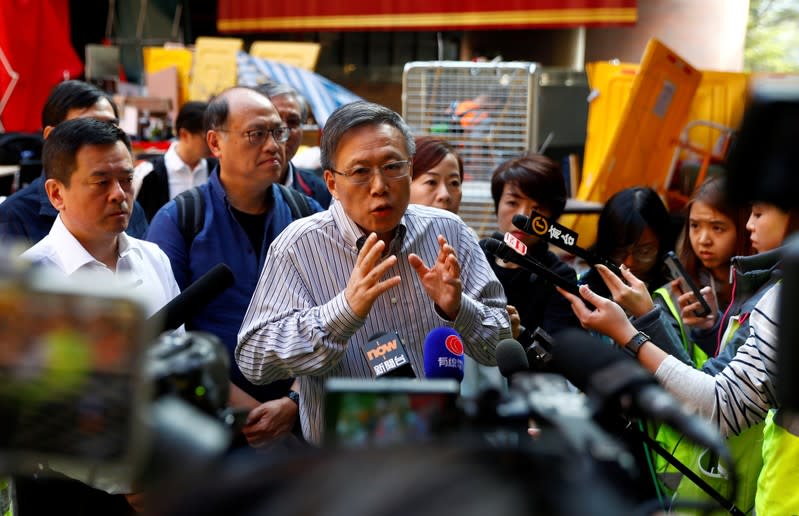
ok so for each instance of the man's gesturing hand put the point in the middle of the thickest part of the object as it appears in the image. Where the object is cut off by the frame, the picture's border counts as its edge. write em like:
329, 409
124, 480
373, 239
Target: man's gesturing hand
442, 281
365, 285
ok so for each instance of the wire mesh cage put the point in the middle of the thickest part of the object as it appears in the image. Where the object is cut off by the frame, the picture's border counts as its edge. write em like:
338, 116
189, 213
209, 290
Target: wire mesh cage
484, 109
492, 112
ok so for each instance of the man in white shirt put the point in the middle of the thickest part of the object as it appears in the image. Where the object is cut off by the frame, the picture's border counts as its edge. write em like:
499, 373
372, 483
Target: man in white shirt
89, 177
184, 165
89, 174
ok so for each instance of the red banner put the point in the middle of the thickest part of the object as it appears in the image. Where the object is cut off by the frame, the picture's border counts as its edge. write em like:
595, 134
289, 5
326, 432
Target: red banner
235, 16
35, 41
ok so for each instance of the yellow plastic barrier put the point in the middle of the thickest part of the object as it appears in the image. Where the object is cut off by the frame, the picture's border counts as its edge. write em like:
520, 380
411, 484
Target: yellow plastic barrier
632, 144
611, 84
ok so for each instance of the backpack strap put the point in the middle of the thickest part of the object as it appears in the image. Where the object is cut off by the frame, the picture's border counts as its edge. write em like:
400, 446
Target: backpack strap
191, 214
298, 203
191, 210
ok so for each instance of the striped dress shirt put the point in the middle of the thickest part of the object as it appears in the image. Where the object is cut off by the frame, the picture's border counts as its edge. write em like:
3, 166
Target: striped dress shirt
741, 394
299, 322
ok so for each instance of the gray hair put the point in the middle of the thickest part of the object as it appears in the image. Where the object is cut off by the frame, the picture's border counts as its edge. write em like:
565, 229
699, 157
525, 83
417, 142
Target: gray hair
356, 114
278, 89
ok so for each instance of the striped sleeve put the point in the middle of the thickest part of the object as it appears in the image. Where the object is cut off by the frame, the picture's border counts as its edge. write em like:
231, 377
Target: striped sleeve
483, 319
284, 332
740, 395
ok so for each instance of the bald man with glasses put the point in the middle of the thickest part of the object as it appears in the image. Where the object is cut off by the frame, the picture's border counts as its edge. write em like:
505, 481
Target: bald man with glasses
242, 209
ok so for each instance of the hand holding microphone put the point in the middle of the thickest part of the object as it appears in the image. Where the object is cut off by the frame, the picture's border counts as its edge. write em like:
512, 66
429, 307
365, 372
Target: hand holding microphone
515, 321
618, 383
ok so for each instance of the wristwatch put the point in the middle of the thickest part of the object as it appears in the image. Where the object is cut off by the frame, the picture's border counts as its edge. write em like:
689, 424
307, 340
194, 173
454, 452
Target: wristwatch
634, 345
294, 396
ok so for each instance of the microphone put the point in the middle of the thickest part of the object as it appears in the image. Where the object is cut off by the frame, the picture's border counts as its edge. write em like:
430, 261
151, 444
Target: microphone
550, 402
361, 240
196, 296
559, 236
511, 358
387, 357
503, 251
443, 354
616, 381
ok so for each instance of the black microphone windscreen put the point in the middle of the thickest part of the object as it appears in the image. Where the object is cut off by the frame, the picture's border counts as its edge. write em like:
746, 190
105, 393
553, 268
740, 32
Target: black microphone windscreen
605, 374
521, 221
577, 355
359, 243
196, 296
511, 358
491, 245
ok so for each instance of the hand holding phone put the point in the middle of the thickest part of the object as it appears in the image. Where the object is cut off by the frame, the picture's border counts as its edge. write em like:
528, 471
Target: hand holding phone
688, 306
678, 272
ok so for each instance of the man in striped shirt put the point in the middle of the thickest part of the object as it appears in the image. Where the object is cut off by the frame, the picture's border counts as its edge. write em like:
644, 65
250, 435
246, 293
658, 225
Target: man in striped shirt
319, 297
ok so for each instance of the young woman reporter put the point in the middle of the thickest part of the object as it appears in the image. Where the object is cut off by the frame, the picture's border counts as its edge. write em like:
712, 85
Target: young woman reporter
714, 232
736, 389
634, 230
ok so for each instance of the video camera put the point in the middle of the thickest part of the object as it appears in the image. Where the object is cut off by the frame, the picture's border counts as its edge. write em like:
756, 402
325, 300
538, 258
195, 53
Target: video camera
88, 389
382, 415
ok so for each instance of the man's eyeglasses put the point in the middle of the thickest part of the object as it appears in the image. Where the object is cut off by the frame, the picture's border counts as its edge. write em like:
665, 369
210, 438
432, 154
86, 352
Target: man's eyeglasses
394, 170
644, 253
257, 137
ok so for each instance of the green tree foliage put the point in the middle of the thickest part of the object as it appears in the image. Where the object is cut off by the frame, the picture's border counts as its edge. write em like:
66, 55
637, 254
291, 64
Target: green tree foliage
772, 36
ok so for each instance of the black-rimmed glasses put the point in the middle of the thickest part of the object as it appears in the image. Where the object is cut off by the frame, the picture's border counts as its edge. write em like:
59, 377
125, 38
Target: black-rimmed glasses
257, 137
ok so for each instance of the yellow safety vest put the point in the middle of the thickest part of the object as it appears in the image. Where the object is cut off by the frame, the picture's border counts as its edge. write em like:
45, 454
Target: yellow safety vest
6, 508
778, 484
669, 438
746, 449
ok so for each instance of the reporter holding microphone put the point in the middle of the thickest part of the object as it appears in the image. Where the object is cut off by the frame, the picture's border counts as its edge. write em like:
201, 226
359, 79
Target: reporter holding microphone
518, 186
732, 404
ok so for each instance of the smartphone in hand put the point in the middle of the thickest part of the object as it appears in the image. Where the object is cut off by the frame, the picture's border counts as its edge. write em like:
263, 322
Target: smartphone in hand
677, 271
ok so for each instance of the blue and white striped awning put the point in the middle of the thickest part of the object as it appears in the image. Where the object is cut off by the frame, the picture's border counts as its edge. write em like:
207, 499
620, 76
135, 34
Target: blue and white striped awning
322, 94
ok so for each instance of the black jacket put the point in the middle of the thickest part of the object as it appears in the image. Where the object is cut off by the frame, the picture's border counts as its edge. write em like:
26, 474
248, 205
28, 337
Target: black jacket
154, 191
307, 182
